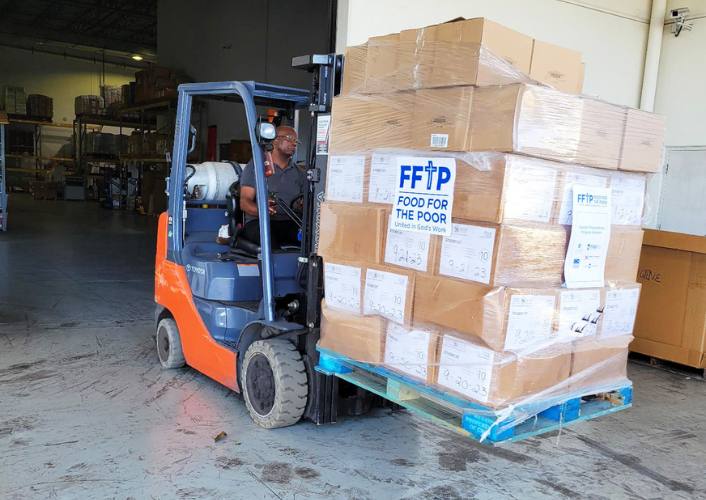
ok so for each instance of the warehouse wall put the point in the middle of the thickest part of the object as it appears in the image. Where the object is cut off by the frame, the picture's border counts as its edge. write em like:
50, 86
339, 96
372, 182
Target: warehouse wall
241, 40
60, 78
611, 35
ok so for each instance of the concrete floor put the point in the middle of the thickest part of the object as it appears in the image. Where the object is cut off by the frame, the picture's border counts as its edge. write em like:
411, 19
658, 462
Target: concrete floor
86, 411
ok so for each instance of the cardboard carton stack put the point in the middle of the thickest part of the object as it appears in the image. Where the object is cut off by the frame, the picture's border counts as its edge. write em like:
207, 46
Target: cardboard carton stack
481, 230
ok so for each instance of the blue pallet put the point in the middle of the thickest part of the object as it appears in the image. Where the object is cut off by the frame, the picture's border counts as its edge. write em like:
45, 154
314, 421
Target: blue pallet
472, 419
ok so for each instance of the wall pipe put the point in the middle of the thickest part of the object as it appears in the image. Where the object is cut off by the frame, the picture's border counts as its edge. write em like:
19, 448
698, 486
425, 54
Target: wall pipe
652, 55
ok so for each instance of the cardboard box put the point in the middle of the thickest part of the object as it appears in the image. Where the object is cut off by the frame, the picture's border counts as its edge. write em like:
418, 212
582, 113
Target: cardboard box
381, 63
441, 119
354, 69
415, 58
388, 292
479, 52
361, 123
671, 317
412, 351
557, 66
546, 123
504, 254
495, 379
352, 232
643, 142
599, 365
513, 319
361, 338
623, 254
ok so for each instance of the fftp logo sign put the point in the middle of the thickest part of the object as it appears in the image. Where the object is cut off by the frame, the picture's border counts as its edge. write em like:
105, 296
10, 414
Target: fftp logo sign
424, 194
435, 176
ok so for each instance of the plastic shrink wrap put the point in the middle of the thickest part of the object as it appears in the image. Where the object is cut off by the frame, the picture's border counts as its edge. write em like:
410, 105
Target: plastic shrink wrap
486, 308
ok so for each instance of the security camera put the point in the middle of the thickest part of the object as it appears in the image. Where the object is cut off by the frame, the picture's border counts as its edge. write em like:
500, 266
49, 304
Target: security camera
677, 13
679, 23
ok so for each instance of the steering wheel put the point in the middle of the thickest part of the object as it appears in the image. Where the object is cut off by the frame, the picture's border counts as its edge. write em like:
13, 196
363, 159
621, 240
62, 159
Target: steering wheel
297, 204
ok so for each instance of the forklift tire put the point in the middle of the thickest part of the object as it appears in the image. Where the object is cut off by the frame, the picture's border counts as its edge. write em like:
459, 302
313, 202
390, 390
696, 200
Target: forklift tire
169, 344
274, 383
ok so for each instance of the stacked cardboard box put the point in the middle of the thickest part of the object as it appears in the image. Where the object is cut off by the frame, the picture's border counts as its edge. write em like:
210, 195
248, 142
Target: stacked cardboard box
13, 100
483, 310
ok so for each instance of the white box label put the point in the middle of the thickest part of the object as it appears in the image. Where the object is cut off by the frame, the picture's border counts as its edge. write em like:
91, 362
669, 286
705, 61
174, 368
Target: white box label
342, 287
466, 368
578, 313
383, 174
408, 350
571, 178
529, 321
468, 253
620, 310
529, 192
584, 265
385, 294
439, 141
407, 249
345, 178
424, 194
323, 126
628, 198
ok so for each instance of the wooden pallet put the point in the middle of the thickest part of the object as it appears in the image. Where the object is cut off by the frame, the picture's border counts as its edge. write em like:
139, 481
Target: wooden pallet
667, 365
470, 419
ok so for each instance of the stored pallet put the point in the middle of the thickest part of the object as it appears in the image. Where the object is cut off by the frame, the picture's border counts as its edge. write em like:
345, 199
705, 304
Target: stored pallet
470, 419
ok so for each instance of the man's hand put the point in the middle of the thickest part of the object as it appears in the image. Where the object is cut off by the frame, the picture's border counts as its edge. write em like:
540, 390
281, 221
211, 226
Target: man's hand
272, 206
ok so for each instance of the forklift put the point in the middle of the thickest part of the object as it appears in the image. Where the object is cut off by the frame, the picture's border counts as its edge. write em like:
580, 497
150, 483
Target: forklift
245, 314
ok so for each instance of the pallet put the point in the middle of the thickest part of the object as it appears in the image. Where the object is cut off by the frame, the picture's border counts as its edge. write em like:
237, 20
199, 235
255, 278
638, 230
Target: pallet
667, 365
482, 423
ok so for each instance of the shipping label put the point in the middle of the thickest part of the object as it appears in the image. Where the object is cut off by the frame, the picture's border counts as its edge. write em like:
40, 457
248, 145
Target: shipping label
529, 192
385, 294
628, 198
584, 266
408, 350
579, 312
529, 321
383, 177
466, 368
407, 249
620, 310
342, 285
345, 178
424, 193
468, 253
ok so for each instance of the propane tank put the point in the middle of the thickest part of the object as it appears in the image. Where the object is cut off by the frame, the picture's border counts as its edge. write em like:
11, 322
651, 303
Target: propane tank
210, 180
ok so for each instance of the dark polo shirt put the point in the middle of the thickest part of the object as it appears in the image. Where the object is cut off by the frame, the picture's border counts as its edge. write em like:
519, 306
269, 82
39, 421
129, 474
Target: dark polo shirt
288, 183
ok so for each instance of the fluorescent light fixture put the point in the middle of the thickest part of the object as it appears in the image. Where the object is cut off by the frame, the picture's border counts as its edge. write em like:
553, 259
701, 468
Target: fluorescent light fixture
137, 57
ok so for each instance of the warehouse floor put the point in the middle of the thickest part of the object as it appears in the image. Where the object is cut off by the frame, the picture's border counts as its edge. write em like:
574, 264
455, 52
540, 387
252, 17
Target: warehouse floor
85, 409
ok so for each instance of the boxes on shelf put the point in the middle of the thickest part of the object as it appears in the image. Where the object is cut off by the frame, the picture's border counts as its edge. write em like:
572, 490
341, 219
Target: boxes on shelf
112, 95
13, 100
40, 107
92, 105
157, 82
671, 319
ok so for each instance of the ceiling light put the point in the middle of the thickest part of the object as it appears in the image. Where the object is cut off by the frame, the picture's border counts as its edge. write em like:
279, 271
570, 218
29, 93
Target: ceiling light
137, 57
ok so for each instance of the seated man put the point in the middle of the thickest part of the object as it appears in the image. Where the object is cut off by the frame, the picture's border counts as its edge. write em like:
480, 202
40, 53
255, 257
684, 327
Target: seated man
287, 182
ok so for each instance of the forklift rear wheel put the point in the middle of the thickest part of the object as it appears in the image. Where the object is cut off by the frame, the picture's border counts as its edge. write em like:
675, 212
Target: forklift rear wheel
169, 344
274, 383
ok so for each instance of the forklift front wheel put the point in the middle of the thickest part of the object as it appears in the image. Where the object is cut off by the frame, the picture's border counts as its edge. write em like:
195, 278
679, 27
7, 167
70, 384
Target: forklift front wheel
274, 383
169, 344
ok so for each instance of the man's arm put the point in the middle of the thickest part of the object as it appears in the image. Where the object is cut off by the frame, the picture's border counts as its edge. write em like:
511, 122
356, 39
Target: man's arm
247, 200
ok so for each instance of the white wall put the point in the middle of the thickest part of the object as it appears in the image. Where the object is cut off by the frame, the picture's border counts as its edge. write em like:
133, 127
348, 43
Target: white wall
681, 87
60, 78
611, 35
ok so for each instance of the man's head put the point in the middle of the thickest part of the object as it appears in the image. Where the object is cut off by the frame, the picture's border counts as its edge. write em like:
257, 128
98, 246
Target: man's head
286, 141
